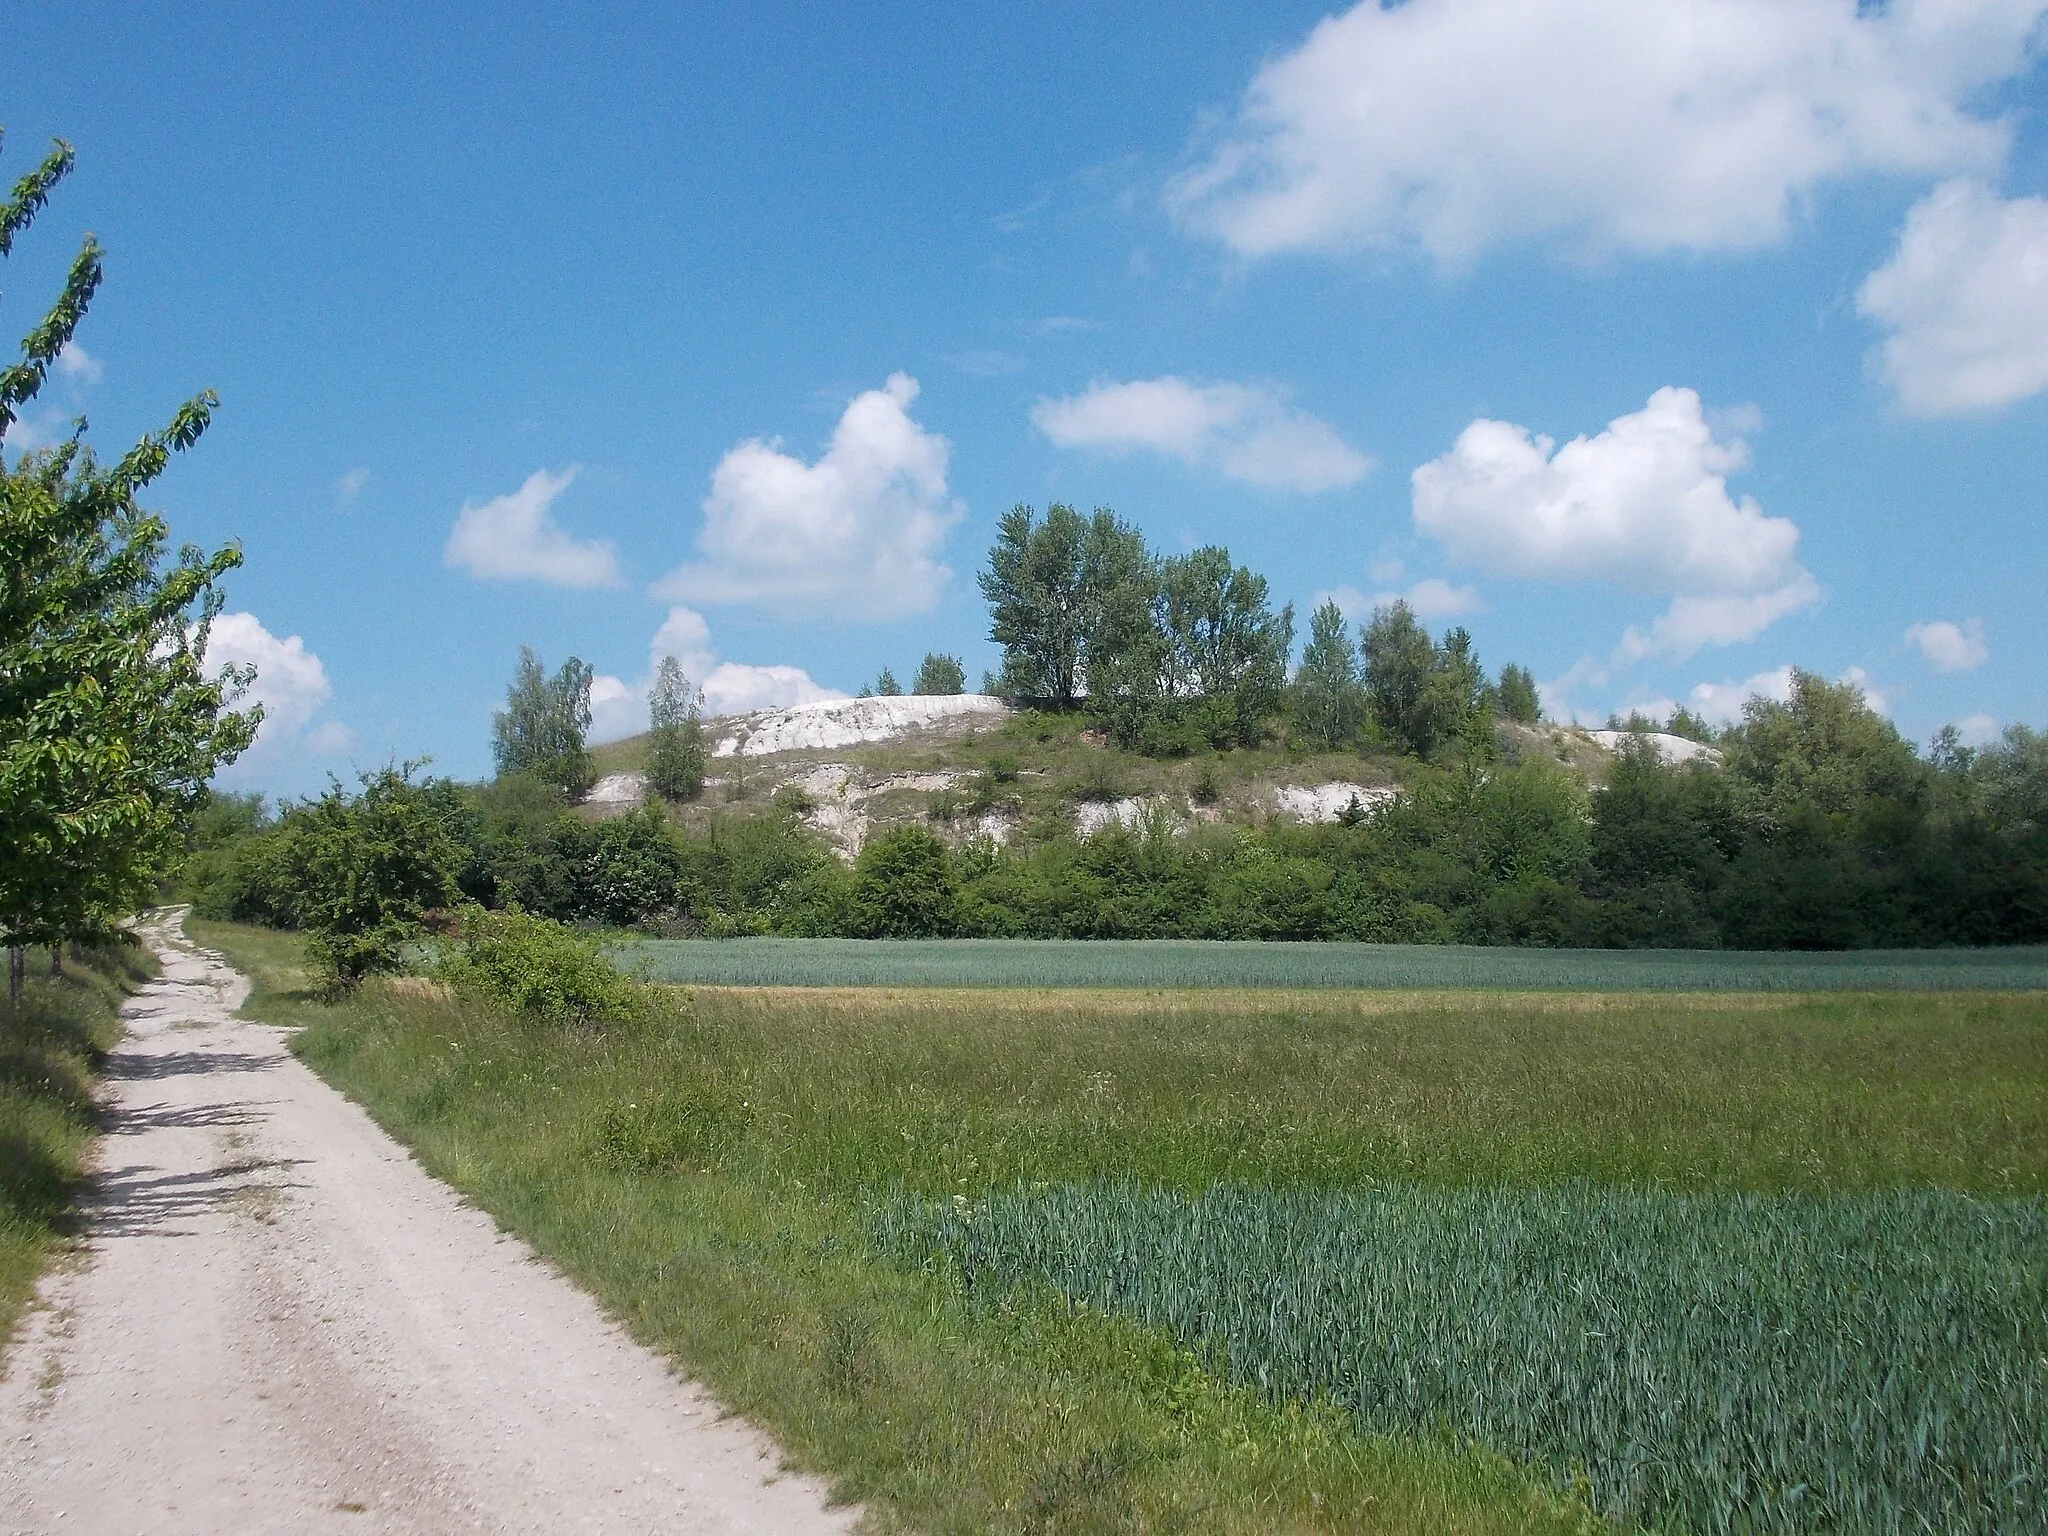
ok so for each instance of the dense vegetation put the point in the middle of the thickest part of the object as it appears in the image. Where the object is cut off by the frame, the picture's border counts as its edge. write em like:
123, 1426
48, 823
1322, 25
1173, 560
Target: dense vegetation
1854, 1364
110, 722
1822, 829
51, 1038
1024, 1261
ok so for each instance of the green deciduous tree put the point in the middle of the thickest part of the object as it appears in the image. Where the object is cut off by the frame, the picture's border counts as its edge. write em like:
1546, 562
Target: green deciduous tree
1033, 588
1516, 697
110, 724
1399, 662
938, 674
675, 747
541, 728
367, 867
1422, 695
1329, 705
905, 887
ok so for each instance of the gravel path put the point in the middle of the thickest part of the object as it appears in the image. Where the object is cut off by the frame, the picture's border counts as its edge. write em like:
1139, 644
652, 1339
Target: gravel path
282, 1324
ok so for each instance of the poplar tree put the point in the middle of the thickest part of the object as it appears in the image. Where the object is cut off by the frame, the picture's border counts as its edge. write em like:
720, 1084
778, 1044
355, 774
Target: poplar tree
541, 729
1329, 705
675, 747
110, 724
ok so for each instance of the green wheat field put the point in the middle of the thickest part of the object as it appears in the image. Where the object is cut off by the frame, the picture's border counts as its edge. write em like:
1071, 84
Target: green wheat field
753, 962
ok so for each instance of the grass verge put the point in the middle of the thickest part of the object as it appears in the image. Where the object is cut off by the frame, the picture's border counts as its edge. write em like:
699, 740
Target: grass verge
49, 1048
715, 1184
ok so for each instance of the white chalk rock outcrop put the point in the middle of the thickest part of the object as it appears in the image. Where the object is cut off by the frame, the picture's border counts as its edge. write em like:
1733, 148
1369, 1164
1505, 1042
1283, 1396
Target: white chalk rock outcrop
833, 723
1670, 749
618, 789
1326, 802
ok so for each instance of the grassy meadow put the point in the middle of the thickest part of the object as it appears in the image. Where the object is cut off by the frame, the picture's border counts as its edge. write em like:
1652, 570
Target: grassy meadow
756, 962
49, 1047
1310, 1260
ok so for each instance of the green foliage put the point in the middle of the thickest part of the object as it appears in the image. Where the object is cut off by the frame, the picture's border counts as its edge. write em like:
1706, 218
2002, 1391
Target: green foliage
745, 1249
540, 730
1469, 851
539, 968
366, 869
1033, 588
1329, 704
886, 686
51, 1040
1421, 695
939, 674
676, 751
110, 722
1895, 1385
1516, 697
1399, 662
904, 887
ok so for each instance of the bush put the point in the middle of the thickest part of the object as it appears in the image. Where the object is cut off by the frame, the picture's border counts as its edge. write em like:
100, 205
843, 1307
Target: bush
904, 887
539, 968
368, 867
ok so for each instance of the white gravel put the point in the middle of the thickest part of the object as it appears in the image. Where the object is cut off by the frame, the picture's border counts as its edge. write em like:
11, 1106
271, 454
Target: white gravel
282, 1324
834, 723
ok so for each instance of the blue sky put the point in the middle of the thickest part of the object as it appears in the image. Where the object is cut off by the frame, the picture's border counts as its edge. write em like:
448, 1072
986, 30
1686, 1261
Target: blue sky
1663, 343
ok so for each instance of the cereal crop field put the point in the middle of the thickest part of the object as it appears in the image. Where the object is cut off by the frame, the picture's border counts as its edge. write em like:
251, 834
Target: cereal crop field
1307, 1260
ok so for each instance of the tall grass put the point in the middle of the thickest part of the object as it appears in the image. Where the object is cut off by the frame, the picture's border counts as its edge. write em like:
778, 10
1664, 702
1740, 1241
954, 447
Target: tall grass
1722, 1363
1201, 963
712, 1179
49, 1047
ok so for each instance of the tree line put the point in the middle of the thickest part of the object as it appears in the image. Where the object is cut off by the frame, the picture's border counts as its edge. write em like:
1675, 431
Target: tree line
110, 723
1822, 829
1817, 826
1181, 654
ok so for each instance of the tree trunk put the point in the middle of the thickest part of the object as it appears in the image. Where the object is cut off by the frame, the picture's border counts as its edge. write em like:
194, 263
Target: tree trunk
56, 962
17, 967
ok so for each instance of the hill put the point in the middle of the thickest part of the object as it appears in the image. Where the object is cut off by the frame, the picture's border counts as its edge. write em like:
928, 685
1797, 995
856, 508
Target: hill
971, 766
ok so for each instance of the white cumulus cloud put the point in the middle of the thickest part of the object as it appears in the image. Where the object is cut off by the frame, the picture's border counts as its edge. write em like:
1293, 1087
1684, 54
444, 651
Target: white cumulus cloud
291, 682
1965, 298
1722, 702
1976, 730
856, 534
1643, 505
1603, 125
619, 708
1245, 432
1430, 598
1951, 647
734, 688
516, 538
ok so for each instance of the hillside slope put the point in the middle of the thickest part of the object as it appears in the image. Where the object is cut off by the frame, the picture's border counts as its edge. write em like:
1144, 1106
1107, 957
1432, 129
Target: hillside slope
970, 766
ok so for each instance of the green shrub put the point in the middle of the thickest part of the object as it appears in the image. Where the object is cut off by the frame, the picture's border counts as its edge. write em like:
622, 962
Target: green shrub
368, 868
540, 968
905, 888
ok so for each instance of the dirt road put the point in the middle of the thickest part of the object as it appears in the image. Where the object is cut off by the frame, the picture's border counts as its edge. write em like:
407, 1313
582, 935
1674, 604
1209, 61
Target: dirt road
283, 1324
